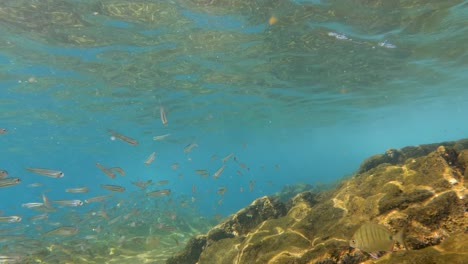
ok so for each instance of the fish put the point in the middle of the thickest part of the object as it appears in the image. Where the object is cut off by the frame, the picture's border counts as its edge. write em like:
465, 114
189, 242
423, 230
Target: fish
38, 217
221, 190
32, 205
373, 238
126, 139
162, 182
38, 207
46, 201
3, 131
150, 158
9, 182
175, 166
63, 231
251, 185
77, 190
114, 220
142, 184
113, 188
201, 172
106, 171
118, 170
161, 137
47, 172
189, 147
228, 157
72, 203
10, 219
35, 185
163, 115
218, 172
163, 192
3, 174
11, 259
97, 198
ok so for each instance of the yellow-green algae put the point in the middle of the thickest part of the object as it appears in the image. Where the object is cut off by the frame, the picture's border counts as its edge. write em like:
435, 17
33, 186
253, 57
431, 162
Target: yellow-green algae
419, 189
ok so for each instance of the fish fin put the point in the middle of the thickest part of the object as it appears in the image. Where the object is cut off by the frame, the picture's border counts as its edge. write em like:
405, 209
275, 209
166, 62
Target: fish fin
374, 254
400, 238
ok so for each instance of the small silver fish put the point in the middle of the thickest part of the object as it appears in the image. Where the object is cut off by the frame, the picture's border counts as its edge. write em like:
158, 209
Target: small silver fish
106, 171
142, 184
72, 203
163, 192
46, 201
374, 238
38, 217
63, 231
161, 137
113, 188
189, 147
97, 198
150, 158
9, 182
118, 170
10, 219
162, 182
35, 185
126, 139
47, 172
77, 190
32, 205
228, 157
163, 115
201, 172
218, 172
10, 258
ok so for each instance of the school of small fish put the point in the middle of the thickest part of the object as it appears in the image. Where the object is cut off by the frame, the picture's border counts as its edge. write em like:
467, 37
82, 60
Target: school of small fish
102, 210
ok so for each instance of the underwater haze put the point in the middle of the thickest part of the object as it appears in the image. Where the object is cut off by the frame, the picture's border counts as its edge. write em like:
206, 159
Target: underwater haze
236, 99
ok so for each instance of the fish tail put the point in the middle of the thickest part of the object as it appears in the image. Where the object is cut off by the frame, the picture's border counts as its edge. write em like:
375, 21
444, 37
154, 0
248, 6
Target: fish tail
400, 238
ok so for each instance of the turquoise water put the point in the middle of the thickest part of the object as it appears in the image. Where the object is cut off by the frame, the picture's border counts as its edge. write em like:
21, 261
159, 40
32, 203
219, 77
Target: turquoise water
298, 91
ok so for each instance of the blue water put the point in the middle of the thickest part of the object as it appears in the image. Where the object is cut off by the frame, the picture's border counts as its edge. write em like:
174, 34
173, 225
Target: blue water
303, 100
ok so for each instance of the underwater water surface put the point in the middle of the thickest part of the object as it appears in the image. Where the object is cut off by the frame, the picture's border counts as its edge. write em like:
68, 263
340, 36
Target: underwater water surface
236, 99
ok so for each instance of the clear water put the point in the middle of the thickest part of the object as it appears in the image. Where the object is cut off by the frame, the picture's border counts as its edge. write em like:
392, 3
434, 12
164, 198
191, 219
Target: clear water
303, 99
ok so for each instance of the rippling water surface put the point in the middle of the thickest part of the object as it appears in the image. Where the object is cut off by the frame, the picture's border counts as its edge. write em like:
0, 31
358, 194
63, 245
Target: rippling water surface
296, 91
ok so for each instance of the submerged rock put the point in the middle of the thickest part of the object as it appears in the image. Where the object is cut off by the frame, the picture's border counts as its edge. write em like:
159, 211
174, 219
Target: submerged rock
421, 190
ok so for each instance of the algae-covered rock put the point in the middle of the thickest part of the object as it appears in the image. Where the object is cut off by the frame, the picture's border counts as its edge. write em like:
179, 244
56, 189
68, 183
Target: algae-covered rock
191, 253
248, 218
401, 200
419, 190
395, 156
